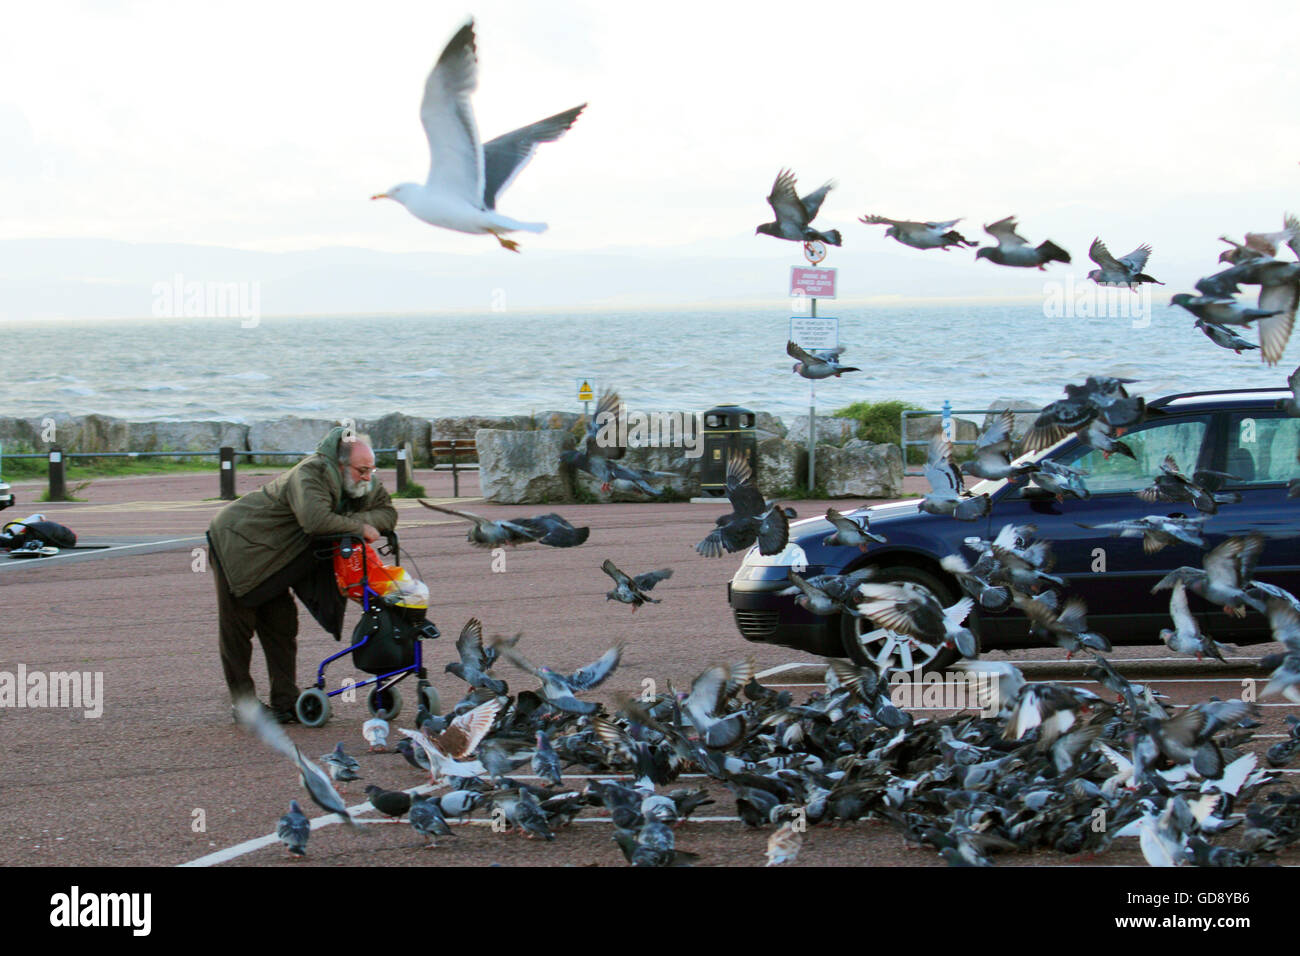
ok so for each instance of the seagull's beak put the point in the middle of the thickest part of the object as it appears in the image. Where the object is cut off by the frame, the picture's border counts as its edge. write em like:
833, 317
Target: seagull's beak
381, 196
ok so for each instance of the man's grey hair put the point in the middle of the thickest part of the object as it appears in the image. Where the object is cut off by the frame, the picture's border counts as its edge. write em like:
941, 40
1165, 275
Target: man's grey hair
346, 446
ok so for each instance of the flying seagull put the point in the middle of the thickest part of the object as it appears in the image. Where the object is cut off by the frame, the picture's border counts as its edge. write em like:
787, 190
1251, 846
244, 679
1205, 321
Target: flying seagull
466, 176
793, 214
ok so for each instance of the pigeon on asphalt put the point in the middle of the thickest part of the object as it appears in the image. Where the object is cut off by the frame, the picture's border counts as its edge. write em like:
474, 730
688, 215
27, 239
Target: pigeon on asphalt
821, 363
993, 452
752, 519
391, 803
850, 532
1014, 250
1125, 271
633, 590
548, 529
466, 177
252, 715
793, 214
446, 751
294, 829
1186, 637
425, 817
545, 761
342, 766
474, 662
920, 235
947, 495
375, 730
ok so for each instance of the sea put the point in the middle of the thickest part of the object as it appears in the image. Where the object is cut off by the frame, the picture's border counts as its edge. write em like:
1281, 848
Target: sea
507, 363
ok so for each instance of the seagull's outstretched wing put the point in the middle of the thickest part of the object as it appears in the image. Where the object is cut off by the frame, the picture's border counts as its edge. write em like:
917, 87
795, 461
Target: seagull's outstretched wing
505, 156
456, 156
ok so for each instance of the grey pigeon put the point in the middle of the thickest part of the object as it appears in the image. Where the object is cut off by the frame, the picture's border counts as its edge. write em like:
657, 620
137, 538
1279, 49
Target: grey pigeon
1014, 250
752, 519
294, 829
473, 665
1225, 575
993, 452
560, 690
549, 529
1201, 489
426, 818
545, 761
850, 532
1156, 531
947, 495
633, 590
1224, 337
821, 363
1125, 271
920, 235
343, 767
1062, 480
1186, 636
1292, 405
793, 214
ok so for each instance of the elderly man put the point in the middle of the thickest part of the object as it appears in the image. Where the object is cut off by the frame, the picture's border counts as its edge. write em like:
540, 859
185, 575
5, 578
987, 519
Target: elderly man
260, 549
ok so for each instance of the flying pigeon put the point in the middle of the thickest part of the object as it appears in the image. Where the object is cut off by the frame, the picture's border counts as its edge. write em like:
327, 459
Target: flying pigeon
850, 532
1201, 490
474, 662
548, 529
1224, 337
751, 520
821, 363
993, 452
1014, 250
1225, 575
947, 487
561, 690
1186, 636
466, 177
920, 235
1125, 271
446, 751
793, 214
1156, 531
1263, 245
633, 591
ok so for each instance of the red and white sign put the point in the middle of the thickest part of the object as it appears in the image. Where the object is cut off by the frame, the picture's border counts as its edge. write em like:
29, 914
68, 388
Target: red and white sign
814, 283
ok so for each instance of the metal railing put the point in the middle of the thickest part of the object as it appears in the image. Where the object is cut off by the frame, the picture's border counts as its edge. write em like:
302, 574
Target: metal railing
57, 458
948, 427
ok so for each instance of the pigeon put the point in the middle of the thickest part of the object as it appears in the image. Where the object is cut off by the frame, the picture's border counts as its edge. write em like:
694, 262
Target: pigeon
294, 829
633, 591
1186, 636
416, 758
825, 594
1014, 250
549, 529
920, 235
1292, 405
1263, 245
850, 532
1156, 531
560, 690
342, 767
793, 214
947, 487
1062, 480
1226, 573
461, 739
910, 609
1275, 310
706, 703
252, 715
975, 580
1220, 310
467, 177
375, 731
426, 818
474, 662
783, 845
751, 520
545, 761
822, 363
1284, 619
391, 803
993, 452
1201, 490
1090, 411
521, 809
1125, 271
1067, 629
1224, 337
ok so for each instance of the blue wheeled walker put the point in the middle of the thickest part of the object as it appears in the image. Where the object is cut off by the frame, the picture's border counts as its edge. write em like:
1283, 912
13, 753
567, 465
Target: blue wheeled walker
385, 641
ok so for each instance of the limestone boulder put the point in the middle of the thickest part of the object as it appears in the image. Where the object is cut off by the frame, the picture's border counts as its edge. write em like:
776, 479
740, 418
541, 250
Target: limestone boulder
392, 430
186, 436
522, 467
861, 469
782, 465
830, 430
299, 435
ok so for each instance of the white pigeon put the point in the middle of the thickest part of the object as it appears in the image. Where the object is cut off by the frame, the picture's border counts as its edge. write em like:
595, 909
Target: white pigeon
375, 730
459, 740
466, 176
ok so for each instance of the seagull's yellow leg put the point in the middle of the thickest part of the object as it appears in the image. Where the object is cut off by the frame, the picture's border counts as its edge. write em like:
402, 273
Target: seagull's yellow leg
506, 243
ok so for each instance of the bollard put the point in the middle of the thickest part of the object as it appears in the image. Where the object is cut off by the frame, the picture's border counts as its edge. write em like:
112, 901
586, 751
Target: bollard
455, 475
58, 483
946, 421
403, 466
227, 473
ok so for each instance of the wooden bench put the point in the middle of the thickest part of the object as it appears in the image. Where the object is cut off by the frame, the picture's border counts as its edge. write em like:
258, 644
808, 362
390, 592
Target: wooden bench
453, 447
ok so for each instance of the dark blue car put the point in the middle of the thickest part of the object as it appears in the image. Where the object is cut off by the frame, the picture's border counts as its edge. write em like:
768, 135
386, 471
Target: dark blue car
1243, 433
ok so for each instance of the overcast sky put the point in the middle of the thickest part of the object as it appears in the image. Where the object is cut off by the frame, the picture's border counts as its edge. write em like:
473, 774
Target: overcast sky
266, 126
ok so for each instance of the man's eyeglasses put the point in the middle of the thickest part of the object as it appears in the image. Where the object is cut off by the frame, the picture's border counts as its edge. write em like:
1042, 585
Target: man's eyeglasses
363, 472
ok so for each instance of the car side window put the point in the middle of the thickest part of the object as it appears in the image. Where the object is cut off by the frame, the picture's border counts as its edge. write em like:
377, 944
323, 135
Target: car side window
1262, 448
1150, 443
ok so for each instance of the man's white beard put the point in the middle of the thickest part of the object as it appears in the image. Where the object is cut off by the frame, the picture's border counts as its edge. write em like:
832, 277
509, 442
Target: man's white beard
356, 489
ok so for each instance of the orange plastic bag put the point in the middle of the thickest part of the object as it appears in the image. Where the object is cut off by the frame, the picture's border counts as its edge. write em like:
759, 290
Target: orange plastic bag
393, 584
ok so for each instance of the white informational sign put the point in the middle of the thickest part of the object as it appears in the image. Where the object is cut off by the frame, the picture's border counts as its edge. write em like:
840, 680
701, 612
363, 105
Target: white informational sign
586, 389
814, 333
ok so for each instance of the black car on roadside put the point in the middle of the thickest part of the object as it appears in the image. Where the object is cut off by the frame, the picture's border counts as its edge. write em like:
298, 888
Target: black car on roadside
1244, 433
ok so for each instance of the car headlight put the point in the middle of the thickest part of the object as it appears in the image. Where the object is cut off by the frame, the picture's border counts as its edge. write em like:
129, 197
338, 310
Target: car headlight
791, 556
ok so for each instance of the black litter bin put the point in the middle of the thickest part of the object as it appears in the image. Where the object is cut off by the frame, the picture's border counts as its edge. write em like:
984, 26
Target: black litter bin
727, 428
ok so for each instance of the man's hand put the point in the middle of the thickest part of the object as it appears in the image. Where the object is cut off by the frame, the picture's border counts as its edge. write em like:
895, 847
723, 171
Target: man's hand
371, 533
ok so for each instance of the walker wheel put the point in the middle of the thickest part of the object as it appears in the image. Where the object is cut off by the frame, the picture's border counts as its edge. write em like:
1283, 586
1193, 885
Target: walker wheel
313, 707
429, 698
385, 704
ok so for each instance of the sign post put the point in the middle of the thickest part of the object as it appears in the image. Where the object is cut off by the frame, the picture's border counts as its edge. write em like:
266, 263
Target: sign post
586, 393
811, 333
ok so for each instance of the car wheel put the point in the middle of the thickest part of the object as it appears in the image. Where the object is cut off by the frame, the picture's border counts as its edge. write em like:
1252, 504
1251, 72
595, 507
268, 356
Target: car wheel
888, 651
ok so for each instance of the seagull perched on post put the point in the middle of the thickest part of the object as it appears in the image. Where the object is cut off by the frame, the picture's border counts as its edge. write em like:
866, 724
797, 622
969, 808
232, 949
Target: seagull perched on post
467, 176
